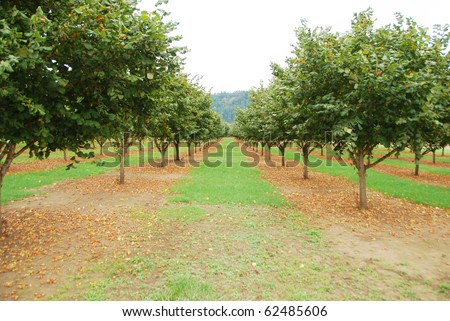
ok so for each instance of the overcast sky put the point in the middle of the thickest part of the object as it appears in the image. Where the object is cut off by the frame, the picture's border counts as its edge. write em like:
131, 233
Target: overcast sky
233, 42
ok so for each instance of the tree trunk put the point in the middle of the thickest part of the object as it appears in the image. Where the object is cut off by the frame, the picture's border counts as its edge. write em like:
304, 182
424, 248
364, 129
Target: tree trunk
164, 148
268, 151
305, 152
122, 167
362, 182
8, 150
282, 151
434, 156
189, 149
65, 155
123, 151
2, 220
416, 170
177, 150
321, 150
443, 151
262, 149
163, 156
101, 148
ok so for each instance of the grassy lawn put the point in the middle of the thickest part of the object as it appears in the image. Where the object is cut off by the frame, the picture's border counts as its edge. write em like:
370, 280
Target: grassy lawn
408, 154
227, 183
25, 157
411, 166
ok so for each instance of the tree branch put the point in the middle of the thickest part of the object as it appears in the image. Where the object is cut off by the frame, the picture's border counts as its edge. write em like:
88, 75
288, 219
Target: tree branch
24, 149
158, 145
379, 160
353, 158
427, 150
4, 152
11, 148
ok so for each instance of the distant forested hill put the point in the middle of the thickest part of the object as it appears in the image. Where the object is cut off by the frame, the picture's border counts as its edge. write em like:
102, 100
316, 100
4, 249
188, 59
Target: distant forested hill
225, 104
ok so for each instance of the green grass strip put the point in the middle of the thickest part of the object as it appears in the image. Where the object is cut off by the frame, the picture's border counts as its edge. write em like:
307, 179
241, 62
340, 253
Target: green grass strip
429, 157
227, 183
423, 168
401, 163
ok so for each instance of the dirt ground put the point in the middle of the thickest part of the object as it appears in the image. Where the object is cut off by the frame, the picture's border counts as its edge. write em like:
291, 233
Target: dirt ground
37, 165
52, 237
413, 237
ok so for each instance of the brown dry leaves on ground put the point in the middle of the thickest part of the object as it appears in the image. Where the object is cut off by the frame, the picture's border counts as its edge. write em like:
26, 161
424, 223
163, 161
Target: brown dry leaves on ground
54, 236
393, 234
36, 165
335, 200
44, 244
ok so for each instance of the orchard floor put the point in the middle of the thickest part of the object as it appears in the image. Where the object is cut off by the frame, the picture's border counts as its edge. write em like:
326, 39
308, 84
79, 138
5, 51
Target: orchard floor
93, 239
394, 236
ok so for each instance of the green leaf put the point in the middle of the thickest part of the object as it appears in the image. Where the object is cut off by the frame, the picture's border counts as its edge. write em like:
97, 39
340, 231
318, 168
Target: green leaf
129, 46
63, 82
6, 66
145, 15
22, 52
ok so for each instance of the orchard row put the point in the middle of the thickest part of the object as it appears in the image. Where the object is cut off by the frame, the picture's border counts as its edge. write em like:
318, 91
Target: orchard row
75, 71
355, 91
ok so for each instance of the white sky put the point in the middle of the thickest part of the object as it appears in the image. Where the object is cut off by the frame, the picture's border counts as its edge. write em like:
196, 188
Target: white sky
233, 42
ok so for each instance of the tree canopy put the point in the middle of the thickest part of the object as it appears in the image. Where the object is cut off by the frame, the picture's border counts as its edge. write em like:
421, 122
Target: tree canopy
73, 71
370, 86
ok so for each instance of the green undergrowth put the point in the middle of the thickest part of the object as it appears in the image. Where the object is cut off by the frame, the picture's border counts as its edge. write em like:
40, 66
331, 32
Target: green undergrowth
223, 181
422, 167
428, 157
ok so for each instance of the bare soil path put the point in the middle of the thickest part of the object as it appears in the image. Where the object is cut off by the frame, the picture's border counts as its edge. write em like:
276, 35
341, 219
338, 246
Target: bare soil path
397, 236
54, 236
